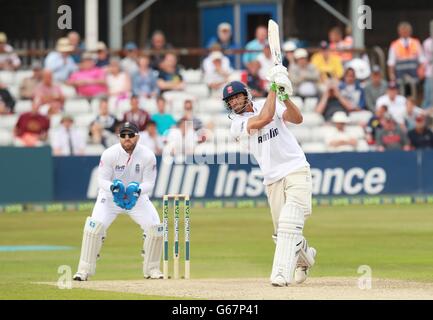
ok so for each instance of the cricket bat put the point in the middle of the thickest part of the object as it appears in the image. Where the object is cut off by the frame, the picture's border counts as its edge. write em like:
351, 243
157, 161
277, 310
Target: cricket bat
274, 41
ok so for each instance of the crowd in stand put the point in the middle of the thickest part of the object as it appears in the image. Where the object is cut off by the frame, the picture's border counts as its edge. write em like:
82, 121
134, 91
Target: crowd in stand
393, 107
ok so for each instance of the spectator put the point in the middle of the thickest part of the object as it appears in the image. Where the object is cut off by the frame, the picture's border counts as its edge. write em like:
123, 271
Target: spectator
67, 140
150, 138
102, 55
216, 79
339, 139
258, 43
332, 101
158, 42
144, 82
60, 61
224, 40
7, 102
266, 61
103, 127
208, 65
182, 139
31, 129
304, 75
289, 48
48, 95
189, 115
396, 103
129, 62
118, 81
420, 136
163, 120
78, 46
351, 89
405, 58
374, 88
9, 60
169, 77
428, 81
28, 85
337, 44
136, 115
328, 64
412, 113
253, 80
391, 137
375, 123
90, 81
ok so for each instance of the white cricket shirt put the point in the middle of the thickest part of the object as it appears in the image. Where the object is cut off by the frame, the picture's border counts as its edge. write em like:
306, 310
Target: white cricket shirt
274, 147
138, 167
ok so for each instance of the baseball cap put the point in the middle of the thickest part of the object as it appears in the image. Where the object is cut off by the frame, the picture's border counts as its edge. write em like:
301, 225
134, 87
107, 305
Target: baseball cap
216, 55
88, 56
340, 117
300, 53
392, 85
129, 127
101, 46
375, 69
289, 46
224, 26
131, 46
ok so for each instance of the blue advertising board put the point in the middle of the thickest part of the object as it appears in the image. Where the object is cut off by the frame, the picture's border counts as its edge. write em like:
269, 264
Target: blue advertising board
334, 174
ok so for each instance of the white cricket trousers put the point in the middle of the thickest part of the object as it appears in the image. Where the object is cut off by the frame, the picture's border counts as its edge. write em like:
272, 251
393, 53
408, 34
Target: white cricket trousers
294, 188
143, 213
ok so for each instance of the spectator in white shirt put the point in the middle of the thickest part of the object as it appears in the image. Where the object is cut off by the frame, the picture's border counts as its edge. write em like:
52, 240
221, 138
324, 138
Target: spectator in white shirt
218, 77
118, 81
412, 112
266, 61
67, 140
339, 139
396, 103
9, 60
129, 63
182, 139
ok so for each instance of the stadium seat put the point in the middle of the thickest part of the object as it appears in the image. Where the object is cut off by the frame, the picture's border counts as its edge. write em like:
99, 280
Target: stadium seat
84, 120
7, 77
20, 75
221, 120
356, 131
77, 106
14, 90
191, 75
68, 91
149, 105
298, 102
199, 90
302, 133
94, 150
310, 104
319, 134
6, 137
211, 105
55, 121
9, 121
314, 147
312, 119
176, 99
94, 105
23, 106
360, 117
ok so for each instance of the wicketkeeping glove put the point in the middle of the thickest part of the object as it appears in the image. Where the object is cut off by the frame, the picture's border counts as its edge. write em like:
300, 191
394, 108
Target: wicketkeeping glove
118, 191
133, 191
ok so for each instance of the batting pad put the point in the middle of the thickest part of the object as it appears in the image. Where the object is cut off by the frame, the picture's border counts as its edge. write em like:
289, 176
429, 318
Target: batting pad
91, 245
305, 259
152, 248
289, 239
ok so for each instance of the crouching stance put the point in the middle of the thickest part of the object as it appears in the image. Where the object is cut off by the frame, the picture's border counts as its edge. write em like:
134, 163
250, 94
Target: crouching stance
126, 175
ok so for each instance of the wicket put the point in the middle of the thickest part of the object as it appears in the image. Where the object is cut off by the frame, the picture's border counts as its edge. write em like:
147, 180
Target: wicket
165, 222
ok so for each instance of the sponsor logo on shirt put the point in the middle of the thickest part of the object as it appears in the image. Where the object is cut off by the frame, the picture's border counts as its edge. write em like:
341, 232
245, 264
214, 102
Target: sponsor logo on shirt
273, 132
119, 168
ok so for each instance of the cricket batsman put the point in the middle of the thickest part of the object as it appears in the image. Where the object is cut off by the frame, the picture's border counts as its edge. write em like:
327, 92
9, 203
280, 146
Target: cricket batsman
261, 126
126, 175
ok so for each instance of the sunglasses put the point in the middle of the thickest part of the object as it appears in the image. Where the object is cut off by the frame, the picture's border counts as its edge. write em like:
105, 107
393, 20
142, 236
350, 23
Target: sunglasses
129, 135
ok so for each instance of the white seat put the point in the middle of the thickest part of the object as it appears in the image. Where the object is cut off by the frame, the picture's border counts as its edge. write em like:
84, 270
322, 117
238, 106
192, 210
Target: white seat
356, 131
310, 104
176, 99
148, 105
314, 147
7, 77
319, 134
198, 90
23, 106
77, 106
8, 122
191, 75
302, 133
94, 149
6, 137
55, 120
312, 119
94, 105
20, 75
360, 117
122, 107
298, 102
221, 120
84, 120
68, 91
211, 105
14, 90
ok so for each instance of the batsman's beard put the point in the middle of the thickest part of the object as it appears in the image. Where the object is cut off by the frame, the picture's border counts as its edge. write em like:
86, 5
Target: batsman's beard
239, 108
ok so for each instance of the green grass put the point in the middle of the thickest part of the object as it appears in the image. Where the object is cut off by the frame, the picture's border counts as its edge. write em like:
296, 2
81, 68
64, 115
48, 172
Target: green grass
395, 241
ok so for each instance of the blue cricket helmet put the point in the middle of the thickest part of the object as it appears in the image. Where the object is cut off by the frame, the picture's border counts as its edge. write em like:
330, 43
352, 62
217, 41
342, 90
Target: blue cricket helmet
233, 88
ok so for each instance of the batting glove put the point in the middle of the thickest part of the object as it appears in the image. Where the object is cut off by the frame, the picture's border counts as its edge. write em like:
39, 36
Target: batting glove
275, 71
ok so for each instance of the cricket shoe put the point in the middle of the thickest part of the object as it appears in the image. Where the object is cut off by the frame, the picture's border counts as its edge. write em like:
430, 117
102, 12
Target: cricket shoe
154, 274
279, 281
80, 277
301, 272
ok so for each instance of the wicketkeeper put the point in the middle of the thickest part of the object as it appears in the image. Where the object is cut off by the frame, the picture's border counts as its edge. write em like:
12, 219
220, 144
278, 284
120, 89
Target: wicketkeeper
126, 175
261, 127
